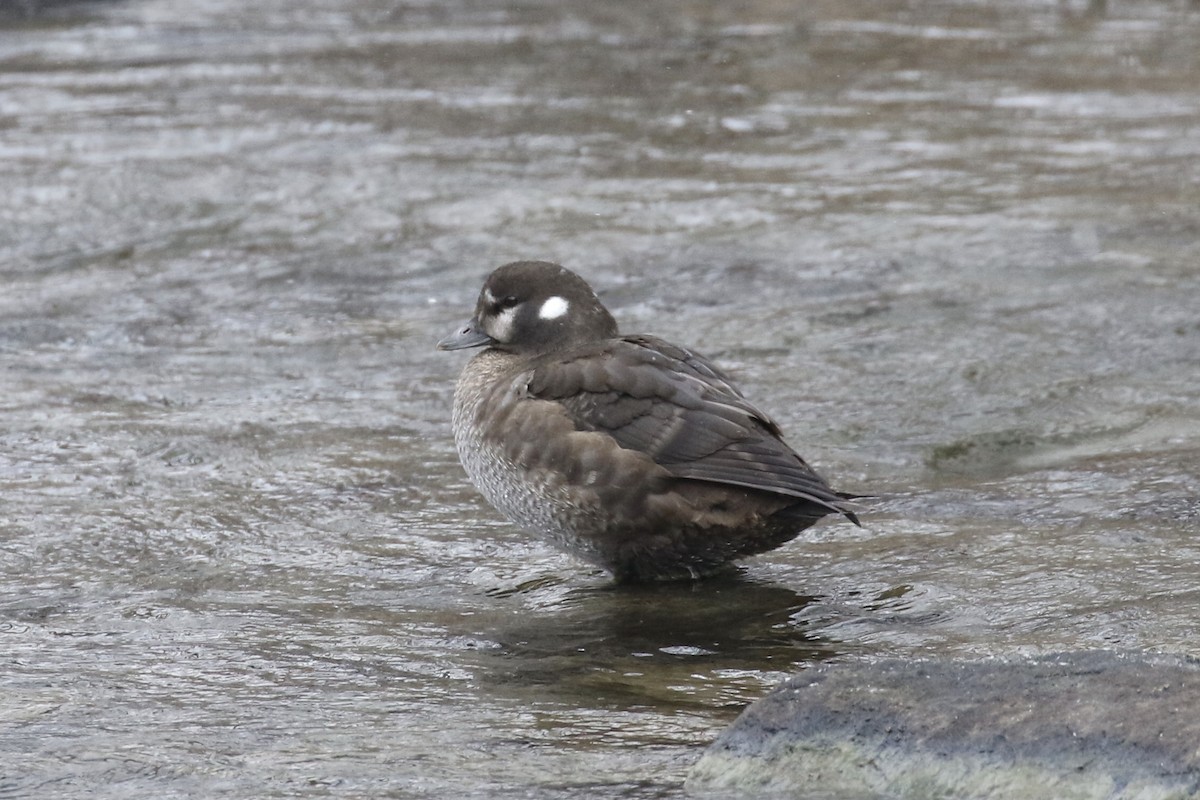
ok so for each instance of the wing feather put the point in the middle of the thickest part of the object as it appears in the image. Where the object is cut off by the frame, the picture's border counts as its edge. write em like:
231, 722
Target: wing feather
679, 409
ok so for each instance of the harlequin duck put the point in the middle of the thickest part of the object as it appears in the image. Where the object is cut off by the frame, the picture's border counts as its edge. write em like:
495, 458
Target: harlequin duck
635, 454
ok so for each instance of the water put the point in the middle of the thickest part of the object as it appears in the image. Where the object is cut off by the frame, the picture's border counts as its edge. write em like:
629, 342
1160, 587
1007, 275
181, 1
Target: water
953, 248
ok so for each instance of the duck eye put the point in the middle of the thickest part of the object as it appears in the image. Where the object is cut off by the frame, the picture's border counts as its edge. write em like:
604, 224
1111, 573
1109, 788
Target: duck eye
498, 305
502, 304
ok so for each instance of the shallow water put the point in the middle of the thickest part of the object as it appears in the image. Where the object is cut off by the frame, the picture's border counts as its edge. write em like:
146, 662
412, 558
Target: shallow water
953, 248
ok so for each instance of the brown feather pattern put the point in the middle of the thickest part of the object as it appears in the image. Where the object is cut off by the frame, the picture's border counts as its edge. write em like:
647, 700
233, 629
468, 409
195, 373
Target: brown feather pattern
678, 408
631, 452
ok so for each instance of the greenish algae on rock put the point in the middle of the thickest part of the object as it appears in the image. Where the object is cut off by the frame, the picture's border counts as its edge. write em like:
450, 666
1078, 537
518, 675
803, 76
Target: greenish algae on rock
1090, 725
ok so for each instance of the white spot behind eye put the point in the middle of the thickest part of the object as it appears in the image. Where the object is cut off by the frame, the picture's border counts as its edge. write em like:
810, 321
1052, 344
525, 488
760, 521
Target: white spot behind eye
553, 308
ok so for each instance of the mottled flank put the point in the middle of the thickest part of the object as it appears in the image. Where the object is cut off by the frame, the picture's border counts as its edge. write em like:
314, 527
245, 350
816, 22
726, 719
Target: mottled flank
632, 453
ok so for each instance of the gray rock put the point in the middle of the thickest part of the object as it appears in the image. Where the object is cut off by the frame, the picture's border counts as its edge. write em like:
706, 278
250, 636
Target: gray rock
1077, 725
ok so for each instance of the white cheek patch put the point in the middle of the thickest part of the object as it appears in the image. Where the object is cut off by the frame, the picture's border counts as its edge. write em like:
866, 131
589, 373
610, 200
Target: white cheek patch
553, 308
500, 327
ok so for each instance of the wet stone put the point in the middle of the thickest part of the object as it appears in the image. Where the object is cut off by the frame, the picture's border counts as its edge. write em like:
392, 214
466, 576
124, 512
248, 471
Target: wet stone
1095, 725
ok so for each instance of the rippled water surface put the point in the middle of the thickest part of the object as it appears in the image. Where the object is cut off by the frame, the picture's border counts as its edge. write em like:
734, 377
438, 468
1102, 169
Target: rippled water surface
954, 247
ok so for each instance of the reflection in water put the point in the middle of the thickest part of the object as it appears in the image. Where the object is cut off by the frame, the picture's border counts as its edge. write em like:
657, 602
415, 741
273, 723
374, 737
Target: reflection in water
627, 644
951, 246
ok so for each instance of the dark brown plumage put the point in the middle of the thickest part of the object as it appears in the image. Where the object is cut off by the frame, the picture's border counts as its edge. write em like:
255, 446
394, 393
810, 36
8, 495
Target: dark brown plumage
633, 453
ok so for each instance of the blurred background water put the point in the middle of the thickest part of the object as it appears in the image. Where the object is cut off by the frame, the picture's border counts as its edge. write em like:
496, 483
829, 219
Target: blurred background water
953, 247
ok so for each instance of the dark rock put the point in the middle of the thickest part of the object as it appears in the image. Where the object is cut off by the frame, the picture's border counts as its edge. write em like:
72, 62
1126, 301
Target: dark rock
1077, 725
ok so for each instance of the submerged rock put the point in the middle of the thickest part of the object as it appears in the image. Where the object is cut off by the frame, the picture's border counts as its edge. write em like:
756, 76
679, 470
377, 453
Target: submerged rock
1077, 725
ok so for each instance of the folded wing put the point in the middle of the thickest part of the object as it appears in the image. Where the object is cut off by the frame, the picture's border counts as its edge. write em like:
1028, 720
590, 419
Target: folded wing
680, 410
